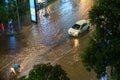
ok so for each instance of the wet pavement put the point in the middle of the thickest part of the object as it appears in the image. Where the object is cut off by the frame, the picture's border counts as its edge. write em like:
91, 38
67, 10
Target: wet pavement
48, 41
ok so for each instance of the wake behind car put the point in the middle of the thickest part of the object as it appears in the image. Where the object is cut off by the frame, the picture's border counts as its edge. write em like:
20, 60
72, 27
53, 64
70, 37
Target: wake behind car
79, 27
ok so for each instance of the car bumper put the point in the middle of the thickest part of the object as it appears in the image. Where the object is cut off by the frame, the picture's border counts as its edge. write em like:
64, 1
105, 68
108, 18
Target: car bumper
72, 34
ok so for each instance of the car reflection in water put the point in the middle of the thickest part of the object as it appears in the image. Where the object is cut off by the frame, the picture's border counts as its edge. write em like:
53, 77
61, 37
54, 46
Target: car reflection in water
76, 42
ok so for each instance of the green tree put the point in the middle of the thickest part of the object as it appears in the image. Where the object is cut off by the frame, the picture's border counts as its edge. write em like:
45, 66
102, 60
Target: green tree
9, 10
6, 13
102, 53
23, 7
47, 72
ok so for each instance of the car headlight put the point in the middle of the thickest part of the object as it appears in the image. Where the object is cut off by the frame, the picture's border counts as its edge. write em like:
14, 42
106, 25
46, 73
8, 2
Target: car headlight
69, 32
76, 33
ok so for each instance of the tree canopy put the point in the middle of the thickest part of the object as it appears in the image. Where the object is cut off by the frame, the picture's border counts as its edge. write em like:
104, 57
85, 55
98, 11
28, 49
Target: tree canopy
47, 72
103, 49
9, 10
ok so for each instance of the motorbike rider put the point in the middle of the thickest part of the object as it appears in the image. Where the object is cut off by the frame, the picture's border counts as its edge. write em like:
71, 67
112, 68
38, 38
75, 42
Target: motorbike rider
15, 68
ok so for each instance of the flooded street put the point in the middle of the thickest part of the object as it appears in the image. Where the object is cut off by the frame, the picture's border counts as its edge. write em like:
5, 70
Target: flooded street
48, 41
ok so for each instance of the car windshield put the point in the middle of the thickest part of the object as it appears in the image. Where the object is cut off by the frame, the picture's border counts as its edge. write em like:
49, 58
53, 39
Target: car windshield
76, 26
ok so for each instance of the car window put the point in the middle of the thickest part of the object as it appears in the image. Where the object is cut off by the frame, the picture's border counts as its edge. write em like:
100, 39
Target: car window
83, 25
76, 26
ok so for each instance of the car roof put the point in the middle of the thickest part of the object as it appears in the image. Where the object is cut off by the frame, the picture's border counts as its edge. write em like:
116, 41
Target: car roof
80, 22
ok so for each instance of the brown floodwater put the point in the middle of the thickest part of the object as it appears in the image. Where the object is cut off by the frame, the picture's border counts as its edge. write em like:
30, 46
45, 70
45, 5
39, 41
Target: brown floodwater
48, 41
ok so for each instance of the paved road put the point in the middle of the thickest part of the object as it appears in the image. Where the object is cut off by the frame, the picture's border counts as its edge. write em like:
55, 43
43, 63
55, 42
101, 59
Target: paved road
48, 41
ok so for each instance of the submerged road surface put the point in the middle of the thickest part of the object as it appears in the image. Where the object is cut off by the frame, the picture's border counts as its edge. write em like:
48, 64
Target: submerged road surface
48, 41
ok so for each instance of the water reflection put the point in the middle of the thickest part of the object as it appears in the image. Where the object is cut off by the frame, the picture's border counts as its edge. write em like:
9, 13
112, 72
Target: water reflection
12, 42
65, 7
76, 42
40, 1
47, 30
34, 31
63, 1
85, 6
104, 78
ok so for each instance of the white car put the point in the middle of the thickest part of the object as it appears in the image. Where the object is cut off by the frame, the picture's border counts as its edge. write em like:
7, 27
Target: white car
79, 27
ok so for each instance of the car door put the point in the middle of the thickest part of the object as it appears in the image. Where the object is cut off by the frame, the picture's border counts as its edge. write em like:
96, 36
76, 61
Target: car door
84, 27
